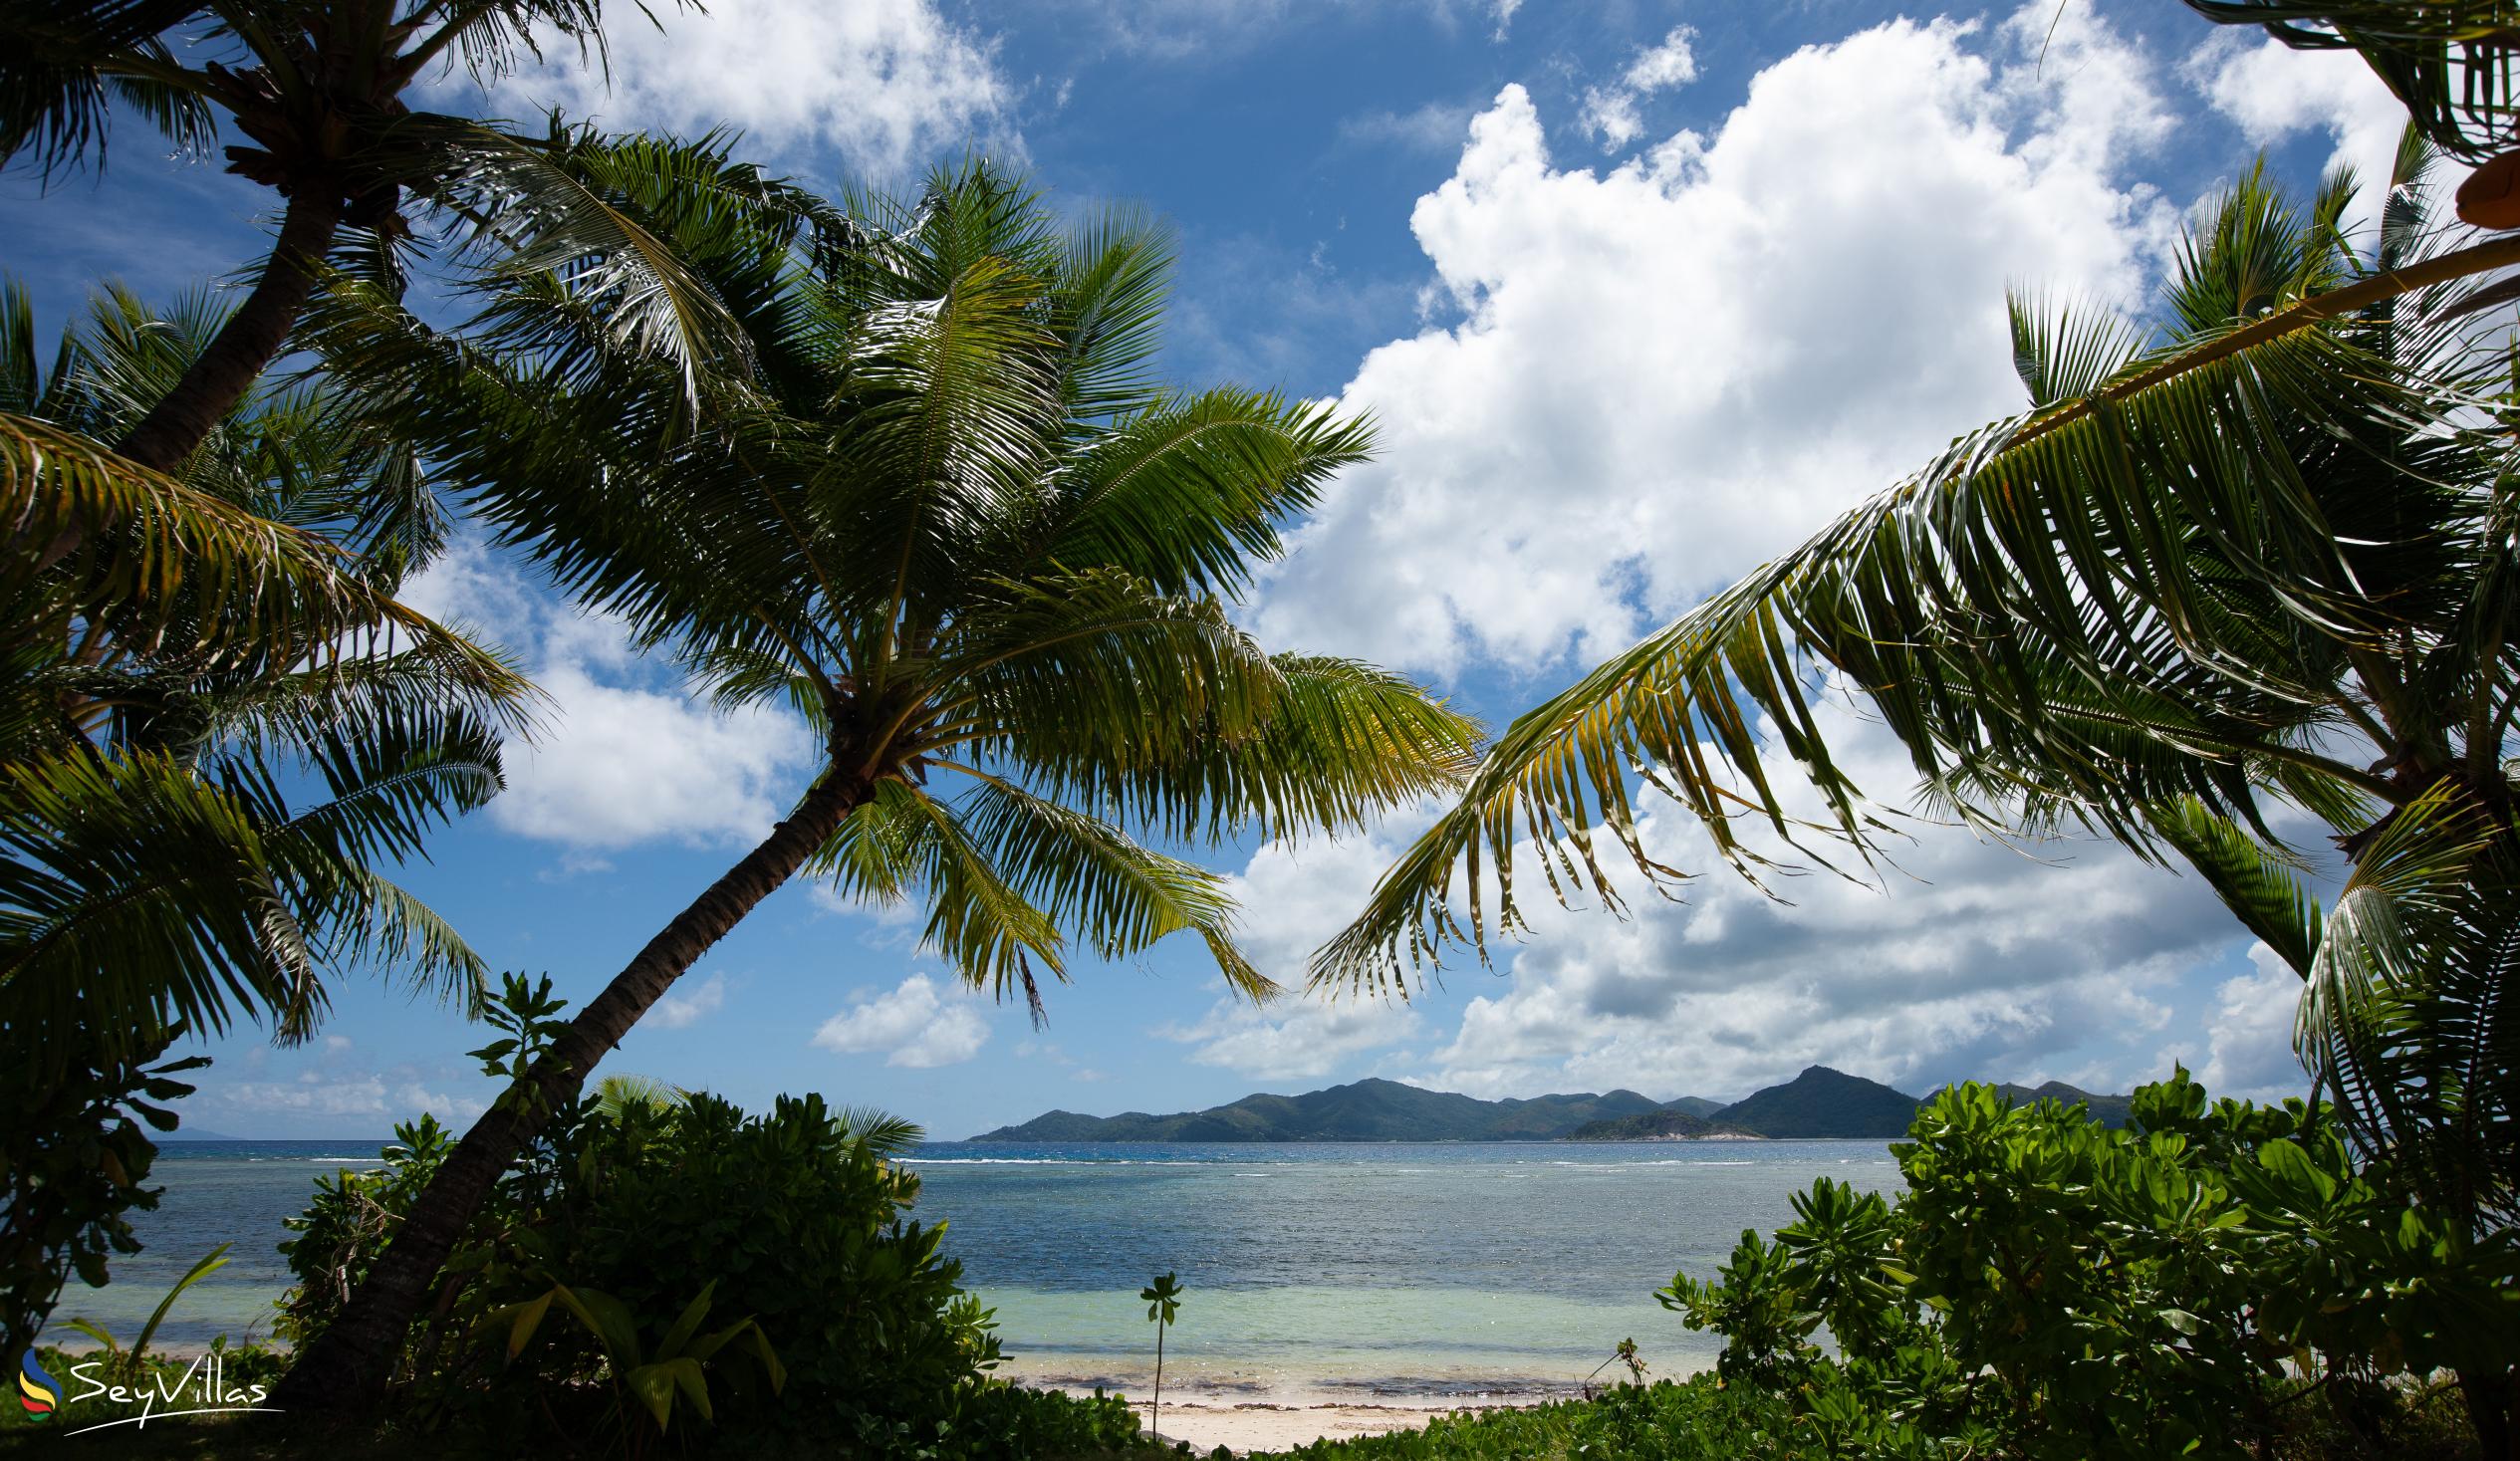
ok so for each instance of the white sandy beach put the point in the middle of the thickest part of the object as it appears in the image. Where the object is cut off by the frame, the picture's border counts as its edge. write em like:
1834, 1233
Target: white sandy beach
1252, 1410
1251, 1426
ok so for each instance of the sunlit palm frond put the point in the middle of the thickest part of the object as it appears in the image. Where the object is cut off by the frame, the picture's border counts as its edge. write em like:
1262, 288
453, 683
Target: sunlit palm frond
2260, 886
1085, 873
878, 1130
100, 538
1189, 493
616, 1094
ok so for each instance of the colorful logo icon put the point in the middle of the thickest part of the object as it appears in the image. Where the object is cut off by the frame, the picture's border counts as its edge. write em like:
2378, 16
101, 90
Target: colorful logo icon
37, 1391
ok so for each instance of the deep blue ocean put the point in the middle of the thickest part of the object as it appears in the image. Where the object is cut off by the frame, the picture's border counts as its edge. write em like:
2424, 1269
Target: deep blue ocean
1454, 1268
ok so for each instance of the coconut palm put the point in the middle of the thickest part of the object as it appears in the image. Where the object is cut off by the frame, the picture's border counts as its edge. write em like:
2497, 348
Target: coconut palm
954, 525
315, 89
174, 675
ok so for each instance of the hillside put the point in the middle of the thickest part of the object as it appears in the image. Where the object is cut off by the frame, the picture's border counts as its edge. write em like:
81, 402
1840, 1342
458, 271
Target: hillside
1821, 1103
1365, 1110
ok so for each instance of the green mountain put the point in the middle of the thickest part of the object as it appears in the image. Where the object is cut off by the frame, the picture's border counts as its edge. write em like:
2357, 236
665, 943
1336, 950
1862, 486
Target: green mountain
1366, 1111
1668, 1125
1818, 1103
2109, 1110
1821, 1103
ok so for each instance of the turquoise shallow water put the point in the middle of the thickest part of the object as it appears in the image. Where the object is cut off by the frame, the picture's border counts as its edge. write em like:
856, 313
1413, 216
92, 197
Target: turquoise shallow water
1382, 1269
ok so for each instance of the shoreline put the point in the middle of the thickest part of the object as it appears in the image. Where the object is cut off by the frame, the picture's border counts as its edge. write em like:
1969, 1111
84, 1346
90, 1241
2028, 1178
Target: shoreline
1248, 1411
1258, 1425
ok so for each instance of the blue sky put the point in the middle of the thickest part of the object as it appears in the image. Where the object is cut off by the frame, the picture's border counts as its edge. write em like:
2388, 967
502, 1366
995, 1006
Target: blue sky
1639, 293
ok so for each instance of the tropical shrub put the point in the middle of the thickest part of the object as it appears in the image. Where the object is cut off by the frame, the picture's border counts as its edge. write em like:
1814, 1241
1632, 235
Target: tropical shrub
2055, 1288
1833, 1416
74, 1158
794, 1221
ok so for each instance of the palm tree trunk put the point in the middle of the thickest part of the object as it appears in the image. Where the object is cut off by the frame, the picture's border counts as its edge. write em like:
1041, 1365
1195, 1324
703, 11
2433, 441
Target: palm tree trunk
2489, 1395
346, 1366
247, 344
1154, 1412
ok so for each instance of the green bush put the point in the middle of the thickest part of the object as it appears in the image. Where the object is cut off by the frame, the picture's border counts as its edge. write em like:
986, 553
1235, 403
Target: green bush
2047, 1286
1832, 1417
75, 1154
795, 1220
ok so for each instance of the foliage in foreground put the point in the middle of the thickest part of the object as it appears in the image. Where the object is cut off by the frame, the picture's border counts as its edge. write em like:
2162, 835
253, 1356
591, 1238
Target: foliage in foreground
216, 730
1706, 1419
2047, 1286
680, 1272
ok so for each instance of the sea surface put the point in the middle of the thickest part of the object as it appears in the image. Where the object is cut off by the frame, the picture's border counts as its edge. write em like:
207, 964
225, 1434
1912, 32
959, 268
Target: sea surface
1313, 1270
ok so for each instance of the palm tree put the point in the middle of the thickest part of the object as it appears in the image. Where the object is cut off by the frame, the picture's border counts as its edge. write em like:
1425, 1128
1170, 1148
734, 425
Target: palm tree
167, 681
155, 870
315, 88
2197, 583
951, 521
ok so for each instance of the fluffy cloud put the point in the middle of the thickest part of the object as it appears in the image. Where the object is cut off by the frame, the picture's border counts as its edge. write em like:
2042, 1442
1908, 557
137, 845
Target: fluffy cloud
624, 756
1664, 373
2249, 1033
918, 1024
886, 82
2273, 92
1301, 895
689, 1006
1610, 113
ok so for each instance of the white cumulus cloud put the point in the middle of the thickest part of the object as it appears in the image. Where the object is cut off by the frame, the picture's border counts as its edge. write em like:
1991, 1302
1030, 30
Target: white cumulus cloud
1664, 373
2250, 1034
1971, 959
917, 1024
2272, 92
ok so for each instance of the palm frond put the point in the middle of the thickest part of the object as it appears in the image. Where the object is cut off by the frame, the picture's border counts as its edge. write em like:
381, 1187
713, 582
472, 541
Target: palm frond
878, 1130
2257, 883
1119, 897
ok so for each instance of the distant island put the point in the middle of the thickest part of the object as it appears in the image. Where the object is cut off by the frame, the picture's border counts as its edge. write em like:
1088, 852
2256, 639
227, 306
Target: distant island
1818, 1103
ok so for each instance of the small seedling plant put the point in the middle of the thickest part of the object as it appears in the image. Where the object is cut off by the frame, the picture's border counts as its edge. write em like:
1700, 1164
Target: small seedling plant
1163, 1304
